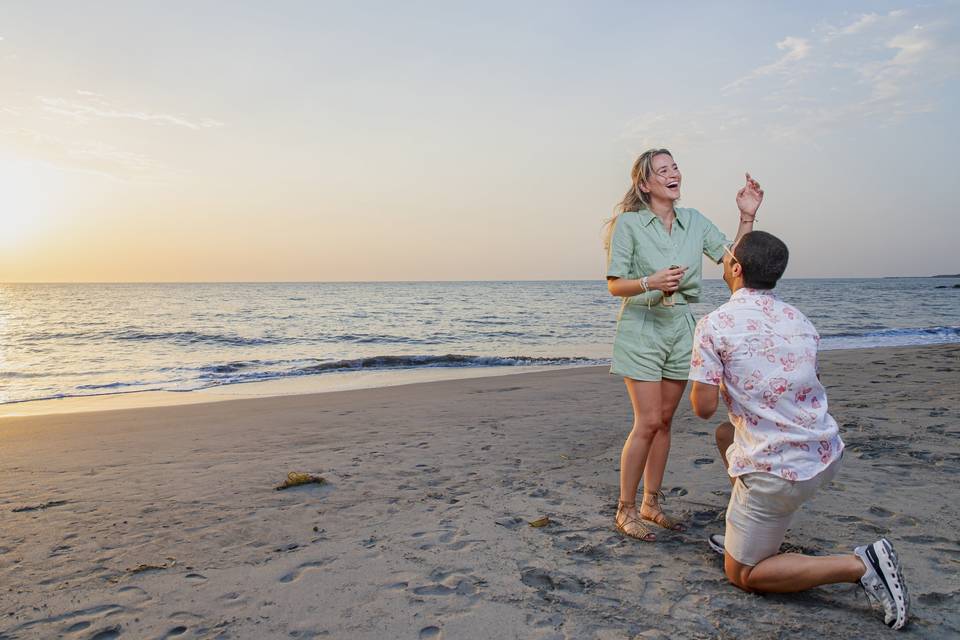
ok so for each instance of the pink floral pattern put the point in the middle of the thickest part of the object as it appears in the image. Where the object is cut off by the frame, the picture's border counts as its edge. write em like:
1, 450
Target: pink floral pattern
762, 353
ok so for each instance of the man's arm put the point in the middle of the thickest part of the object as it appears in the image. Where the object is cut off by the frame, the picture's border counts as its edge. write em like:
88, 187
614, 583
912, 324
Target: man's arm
704, 399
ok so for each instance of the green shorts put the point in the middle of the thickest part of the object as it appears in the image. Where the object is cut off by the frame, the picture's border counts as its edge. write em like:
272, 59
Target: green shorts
653, 343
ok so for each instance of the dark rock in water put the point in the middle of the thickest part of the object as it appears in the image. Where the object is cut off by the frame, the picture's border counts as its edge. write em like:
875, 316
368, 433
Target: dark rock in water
943, 286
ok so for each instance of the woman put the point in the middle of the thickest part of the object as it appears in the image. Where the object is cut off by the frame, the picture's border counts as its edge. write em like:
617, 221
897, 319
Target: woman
653, 251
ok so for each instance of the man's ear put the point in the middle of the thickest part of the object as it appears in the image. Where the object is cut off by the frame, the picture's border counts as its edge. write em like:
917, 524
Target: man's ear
736, 270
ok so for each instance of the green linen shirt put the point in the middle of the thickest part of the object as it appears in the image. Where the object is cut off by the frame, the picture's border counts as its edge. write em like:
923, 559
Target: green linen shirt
640, 246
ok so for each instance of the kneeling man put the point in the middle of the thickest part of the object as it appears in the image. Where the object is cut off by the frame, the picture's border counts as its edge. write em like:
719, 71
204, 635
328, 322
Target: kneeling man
780, 445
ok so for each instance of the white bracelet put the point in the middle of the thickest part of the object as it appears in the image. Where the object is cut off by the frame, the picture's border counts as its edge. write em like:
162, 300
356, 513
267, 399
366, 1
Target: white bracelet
645, 283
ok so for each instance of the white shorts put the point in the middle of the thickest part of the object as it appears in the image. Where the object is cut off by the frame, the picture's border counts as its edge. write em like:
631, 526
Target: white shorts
761, 509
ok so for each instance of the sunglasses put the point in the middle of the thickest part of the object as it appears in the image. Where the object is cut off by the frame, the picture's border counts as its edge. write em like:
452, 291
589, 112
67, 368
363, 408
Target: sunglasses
729, 251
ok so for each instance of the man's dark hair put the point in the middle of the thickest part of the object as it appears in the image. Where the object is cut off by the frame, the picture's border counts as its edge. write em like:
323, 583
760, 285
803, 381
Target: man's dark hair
763, 257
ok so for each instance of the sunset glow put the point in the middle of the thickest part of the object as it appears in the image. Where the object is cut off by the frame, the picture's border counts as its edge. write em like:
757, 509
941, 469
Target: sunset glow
445, 142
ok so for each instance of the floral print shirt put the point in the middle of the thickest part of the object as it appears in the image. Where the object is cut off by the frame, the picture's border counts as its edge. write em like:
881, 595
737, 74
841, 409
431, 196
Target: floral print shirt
762, 353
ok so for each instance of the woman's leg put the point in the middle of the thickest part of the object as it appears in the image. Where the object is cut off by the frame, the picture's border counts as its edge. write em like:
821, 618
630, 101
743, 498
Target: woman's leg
670, 393
647, 419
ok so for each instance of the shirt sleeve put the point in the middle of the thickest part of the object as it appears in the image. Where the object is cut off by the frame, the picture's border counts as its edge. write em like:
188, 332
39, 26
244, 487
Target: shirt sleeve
713, 241
620, 253
705, 363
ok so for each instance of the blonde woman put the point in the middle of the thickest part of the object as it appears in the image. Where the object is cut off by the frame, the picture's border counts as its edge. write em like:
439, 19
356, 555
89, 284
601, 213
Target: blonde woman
653, 264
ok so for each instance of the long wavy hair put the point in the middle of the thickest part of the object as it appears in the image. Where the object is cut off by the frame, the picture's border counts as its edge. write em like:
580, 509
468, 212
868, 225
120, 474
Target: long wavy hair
635, 199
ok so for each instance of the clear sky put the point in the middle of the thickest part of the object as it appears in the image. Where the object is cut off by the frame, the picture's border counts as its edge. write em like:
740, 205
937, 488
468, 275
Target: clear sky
206, 141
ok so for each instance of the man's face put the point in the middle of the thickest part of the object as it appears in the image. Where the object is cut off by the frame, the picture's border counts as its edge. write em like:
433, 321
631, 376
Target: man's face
731, 268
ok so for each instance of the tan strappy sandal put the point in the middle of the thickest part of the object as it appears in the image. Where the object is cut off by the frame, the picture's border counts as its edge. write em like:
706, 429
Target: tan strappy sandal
659, 518
637, 529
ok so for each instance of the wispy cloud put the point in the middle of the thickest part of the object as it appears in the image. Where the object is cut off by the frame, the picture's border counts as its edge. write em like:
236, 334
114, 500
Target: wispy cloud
90, 106
93, 150
877, 68
795, 49
85, 155
861, 24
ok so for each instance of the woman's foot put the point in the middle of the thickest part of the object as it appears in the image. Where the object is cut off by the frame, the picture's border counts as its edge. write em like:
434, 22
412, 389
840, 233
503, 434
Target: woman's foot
650, 510
629, 523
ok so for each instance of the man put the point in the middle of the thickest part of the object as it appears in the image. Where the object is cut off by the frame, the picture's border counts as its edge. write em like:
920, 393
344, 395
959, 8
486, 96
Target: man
780, 445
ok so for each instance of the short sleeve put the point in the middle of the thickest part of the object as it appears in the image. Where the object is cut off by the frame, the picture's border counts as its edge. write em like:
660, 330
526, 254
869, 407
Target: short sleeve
705, 363
713, 240
620, 252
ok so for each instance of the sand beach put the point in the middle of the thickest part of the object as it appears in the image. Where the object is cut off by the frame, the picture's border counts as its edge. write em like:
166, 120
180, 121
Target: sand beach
163, 522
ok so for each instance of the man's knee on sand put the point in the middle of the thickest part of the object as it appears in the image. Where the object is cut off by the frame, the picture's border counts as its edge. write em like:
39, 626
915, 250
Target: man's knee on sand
724, 438
738, 574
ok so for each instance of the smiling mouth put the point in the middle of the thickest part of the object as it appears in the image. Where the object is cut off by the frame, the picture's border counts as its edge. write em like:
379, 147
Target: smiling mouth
673, 185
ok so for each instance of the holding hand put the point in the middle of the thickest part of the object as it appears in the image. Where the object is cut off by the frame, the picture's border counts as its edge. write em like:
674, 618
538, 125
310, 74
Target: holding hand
748, 199
667, 280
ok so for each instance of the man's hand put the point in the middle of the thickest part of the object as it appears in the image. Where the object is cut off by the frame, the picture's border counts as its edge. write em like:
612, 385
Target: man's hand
704, 399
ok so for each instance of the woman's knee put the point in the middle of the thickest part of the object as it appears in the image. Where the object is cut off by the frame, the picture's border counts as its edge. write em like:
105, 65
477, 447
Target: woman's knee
646, 427
666, 420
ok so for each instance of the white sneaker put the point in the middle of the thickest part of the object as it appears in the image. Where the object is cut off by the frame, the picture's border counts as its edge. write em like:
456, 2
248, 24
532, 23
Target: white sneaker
715, 540
883, 581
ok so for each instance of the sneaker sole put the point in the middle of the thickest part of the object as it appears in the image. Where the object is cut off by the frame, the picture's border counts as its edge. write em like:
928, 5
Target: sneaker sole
887, 565
716, 546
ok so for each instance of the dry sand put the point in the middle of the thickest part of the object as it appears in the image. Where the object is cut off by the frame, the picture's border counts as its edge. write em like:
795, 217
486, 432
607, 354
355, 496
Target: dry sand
422, 529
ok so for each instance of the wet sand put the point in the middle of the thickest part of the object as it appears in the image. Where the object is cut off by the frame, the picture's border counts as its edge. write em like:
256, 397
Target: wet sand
163, 522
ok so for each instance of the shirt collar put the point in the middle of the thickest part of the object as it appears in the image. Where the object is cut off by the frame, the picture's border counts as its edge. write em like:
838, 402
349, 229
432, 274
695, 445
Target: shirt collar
647, 216
746, 292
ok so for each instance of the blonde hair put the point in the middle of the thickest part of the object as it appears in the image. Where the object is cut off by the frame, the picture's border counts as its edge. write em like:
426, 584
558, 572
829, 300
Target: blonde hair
635, 199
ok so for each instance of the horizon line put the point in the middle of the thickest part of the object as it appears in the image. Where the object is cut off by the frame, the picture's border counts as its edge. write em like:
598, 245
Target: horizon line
133, 282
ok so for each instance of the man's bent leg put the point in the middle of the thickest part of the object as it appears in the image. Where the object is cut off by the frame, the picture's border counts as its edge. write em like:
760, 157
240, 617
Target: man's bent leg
724, 436
791, 572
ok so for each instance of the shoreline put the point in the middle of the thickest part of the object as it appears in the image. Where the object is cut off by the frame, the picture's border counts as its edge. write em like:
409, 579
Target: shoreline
273, 388
164, 522
301, 385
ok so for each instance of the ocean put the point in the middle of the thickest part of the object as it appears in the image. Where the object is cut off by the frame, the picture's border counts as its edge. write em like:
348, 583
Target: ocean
62, 340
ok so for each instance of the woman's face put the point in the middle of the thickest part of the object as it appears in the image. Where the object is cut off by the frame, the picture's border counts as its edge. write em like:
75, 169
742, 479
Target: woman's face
664, 183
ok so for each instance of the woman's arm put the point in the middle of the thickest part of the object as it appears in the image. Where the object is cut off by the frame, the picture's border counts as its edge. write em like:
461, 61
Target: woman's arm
665, 280
749, 199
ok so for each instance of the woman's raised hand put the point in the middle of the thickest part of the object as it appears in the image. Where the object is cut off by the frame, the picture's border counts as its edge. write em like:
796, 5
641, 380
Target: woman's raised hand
749, 198
667, 280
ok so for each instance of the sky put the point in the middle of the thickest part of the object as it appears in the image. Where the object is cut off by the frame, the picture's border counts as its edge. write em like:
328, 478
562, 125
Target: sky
335, 141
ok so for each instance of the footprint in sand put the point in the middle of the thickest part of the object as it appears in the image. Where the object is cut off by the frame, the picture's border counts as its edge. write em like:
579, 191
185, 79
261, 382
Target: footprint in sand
462, 587
543, 580
430, 632
934, 598
509, 523
299, 571
176, 631
705, 517
699, 462
77, 626
107, 634
924, 539
196, 577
